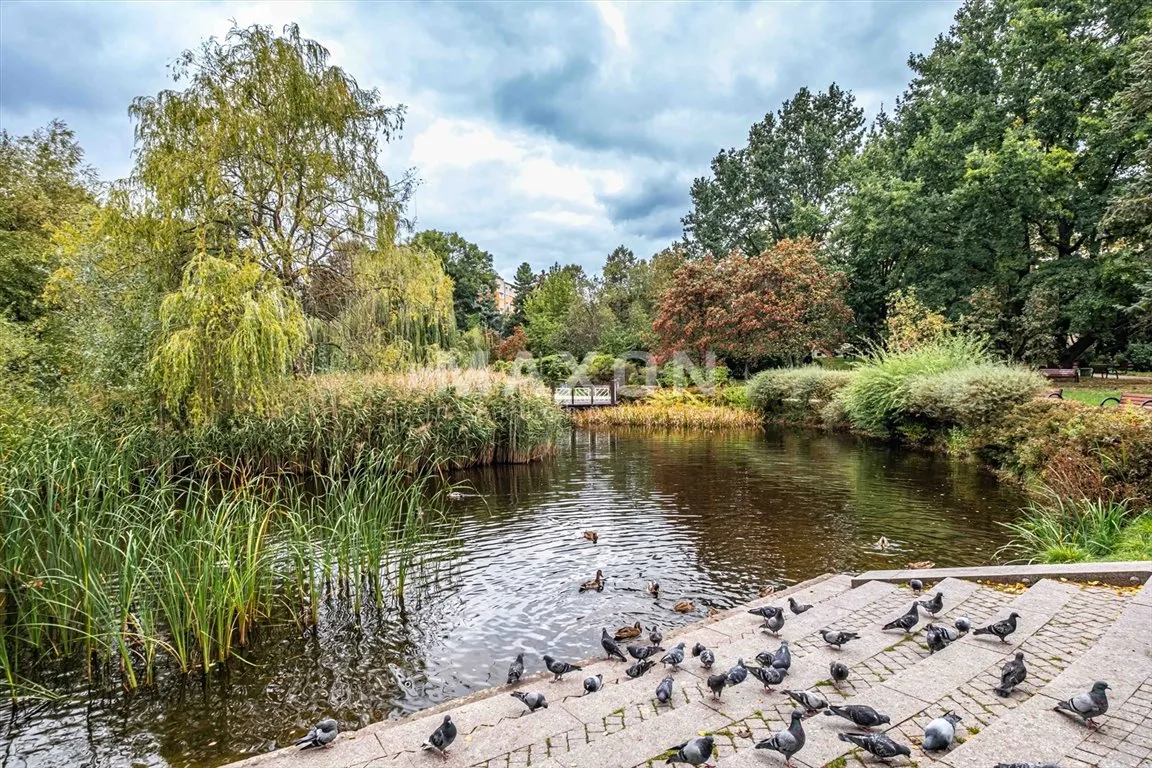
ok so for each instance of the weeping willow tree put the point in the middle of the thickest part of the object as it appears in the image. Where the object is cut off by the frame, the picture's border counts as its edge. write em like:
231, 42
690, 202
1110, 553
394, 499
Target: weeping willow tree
229, 335
398, 313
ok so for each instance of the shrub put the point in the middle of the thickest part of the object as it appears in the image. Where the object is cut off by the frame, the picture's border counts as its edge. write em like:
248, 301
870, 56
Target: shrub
877, 397
972, 396
554, 370
796, 389
732, 396
509, 348
1140, 355
501, 366
601, 368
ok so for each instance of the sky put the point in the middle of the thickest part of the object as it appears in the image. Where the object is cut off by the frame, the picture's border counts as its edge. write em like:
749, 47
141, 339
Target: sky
543, 132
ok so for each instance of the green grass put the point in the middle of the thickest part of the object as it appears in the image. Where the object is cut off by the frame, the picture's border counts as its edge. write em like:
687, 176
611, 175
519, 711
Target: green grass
1090, 395
1073, 531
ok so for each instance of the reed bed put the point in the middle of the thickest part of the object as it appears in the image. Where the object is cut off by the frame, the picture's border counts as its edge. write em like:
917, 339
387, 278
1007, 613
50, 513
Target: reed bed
668, 416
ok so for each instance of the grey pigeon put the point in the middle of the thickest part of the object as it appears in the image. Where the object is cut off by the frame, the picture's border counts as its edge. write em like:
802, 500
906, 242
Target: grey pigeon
611, 647
936, 639
1088, 705
765, 658
782, 659
940, 733
877, 743
836, 637
787, 742
859, 714
516, 669
797, 608
738, 673
768, 676
838, 670
532, 700
766, 611
916, 584
716, 684
907, 621
1001, 629
675, 656
933, 606
664, 690
320, 735
774, 623
698, 649
1011, 675
641, 652
812, 701
964, 624
593, 683
707, 658
695, 752
559, 668
639, 668
442, 738
655, 636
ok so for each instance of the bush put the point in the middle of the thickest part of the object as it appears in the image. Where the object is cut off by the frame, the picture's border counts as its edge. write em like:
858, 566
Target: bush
969, 397
797, 389
877, 399
554, 370
601, 369
501, 366
1066, 531
732, 396
1140, 355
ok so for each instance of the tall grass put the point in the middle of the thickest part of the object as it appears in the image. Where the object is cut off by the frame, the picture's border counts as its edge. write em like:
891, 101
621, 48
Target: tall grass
667, 416
1060, 530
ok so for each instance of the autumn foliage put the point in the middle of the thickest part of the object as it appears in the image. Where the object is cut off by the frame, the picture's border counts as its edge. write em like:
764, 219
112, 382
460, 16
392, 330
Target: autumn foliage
508, 348
780, 304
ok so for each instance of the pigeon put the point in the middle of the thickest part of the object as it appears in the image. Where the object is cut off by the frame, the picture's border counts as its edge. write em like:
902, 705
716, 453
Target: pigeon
533, 700
738, 673
797, 608
641, 652
916, 584
787, 742
769, 676
516, 669
765, 658
611, 647
964, 624
907, 621
940, 733
695, 752
836, 637
559, 668
951, 635
1011, 675
766, 611
320, 735
593, 684
1088, 705
639, 668
839, 672
935, 637
812, 701
442, 738
664, 690
674, 656
774, 623
1001, 628
716, 684
782, 659
859, 714
655, 636
698, 649
707, 658
933, 606
877, 743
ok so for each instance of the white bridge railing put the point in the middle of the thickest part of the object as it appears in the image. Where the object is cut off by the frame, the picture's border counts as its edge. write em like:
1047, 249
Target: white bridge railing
593, 394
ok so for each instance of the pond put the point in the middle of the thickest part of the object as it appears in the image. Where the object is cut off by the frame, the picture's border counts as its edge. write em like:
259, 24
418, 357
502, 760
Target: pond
712, 517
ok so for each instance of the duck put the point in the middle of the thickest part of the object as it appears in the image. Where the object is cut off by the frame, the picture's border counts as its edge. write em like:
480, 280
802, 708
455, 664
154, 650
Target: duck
882, 543
596, 583
654, 589
591, 536
921, 564
765, 591
627, 633
684, 606
713, 611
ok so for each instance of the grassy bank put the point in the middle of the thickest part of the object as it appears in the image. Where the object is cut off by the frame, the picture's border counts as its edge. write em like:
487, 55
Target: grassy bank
725, 407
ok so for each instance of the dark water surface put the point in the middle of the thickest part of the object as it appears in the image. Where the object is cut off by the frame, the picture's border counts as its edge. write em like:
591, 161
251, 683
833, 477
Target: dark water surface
712, 517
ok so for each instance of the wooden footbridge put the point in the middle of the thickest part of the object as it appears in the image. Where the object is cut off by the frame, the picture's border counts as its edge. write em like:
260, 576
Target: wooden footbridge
585, 396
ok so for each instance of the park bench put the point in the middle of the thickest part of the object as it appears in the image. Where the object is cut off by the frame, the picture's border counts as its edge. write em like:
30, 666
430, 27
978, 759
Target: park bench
1060, 374
1136, 399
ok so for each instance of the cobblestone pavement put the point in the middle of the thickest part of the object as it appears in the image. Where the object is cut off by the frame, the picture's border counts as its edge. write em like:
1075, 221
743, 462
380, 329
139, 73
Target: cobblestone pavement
1070, 635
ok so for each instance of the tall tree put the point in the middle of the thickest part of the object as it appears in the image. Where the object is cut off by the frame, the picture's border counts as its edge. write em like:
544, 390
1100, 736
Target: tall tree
271, 150
474, 279
787, 182
523, 284
546, 308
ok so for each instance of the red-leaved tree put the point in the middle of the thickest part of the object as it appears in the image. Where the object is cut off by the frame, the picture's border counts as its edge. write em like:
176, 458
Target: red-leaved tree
508, 348
780, 304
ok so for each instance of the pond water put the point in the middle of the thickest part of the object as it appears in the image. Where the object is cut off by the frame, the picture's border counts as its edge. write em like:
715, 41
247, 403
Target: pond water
713, 517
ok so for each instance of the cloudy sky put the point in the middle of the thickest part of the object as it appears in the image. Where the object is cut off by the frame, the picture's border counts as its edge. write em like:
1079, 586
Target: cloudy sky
542, 132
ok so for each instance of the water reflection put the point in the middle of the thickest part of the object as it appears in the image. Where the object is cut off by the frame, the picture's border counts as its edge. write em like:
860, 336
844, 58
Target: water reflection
712, 517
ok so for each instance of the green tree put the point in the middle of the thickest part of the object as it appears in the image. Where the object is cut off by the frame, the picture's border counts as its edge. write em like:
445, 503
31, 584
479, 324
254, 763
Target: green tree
546, 309
474, 279
787, 182
523, 285
270, 151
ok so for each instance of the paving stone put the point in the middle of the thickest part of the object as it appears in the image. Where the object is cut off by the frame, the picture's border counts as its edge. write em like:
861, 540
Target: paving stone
632, 746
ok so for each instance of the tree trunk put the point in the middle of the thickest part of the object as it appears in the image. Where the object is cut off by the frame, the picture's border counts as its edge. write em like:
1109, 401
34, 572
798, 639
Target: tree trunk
1079, 347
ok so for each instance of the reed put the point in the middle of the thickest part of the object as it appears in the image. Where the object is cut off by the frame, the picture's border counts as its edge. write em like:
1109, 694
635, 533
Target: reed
667, 416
